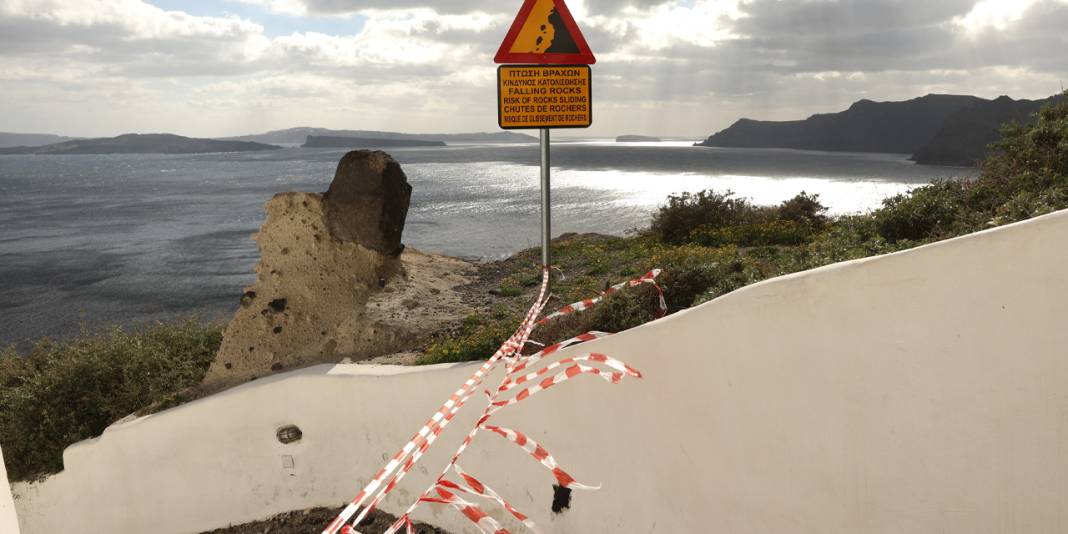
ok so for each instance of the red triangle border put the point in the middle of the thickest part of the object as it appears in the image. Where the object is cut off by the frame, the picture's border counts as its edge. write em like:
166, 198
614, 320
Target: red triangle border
584, 57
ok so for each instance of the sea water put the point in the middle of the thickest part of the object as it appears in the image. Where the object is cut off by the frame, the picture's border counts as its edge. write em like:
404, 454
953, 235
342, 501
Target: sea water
98, 240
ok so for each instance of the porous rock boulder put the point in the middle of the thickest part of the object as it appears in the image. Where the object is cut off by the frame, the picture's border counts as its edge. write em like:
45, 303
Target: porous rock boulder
367, 202
333, 283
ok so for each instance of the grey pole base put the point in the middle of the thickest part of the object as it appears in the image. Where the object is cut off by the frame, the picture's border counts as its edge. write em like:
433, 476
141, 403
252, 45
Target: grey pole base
546, 208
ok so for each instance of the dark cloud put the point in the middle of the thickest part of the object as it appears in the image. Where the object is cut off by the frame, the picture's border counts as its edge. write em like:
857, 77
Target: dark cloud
780, 58
611, 7
902, 35
784, 18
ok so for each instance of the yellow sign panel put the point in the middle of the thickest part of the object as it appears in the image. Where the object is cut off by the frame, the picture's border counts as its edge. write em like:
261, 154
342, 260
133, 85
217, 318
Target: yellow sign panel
544, 96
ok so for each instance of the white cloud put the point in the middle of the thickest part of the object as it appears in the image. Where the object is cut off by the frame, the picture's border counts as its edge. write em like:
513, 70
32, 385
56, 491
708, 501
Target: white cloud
288, 7
94, 67
403, 37
993, 14
702, 23
138, 19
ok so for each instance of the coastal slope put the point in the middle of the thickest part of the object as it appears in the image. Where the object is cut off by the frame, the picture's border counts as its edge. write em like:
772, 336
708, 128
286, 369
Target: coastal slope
141, 144
867, 126
963, 138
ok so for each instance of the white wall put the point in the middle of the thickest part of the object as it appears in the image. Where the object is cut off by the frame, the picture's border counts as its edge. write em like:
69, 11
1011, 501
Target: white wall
925, 391
9, 524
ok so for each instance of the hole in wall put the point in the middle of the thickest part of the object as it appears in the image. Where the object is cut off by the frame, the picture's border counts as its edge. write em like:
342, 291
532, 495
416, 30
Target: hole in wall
278, 305
561, 498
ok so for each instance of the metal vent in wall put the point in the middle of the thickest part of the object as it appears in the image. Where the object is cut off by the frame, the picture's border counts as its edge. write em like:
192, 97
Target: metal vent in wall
289, 434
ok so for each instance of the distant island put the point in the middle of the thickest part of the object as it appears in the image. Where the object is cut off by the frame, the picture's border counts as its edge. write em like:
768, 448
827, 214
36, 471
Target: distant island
935, 129
140, 144
637, 139
9, 140
299, 136
324, 141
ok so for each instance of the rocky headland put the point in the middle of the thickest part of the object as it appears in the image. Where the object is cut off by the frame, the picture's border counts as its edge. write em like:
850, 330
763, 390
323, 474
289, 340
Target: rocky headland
964, 136
867, 126
934, 129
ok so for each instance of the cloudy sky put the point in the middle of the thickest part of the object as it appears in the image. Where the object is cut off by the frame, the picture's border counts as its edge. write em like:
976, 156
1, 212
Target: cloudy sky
677, 67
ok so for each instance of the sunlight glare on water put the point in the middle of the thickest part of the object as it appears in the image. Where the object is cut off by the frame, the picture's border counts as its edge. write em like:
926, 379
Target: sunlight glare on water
650, 190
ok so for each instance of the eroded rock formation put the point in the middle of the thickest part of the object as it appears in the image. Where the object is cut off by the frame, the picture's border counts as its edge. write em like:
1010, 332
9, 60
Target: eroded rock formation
368, 201
332, 282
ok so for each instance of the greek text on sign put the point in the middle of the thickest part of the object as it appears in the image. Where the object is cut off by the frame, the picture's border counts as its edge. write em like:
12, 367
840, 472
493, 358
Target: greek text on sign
544, 96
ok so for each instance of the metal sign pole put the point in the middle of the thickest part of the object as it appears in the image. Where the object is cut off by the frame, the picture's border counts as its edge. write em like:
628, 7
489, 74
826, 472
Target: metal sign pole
546, 214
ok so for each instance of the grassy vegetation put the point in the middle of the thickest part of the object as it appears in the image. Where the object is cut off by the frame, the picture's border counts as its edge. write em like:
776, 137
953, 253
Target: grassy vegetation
62, 393
710, 243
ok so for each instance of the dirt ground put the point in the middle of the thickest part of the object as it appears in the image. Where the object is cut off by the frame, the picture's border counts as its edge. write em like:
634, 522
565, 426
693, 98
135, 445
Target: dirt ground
312, 521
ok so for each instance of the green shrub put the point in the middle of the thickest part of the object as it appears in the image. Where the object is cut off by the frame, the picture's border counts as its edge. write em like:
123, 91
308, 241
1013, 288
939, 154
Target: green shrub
624, 310
924, 212
1040, 150
618, 312
717, 219
684, 213
1026, 204
683, 284
1024, 175
480, 336
477, 339
757, 234
849, 238
693, 273
62, 393
508, 291
804, 209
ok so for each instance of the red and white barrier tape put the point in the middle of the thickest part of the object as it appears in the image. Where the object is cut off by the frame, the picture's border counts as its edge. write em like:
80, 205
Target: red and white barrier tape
567, 374
593, 357
378, 487
648, 278
540, 454
475, 487
482, 520
443, 490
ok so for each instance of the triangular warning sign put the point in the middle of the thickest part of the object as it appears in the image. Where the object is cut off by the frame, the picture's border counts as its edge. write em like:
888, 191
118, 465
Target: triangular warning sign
545, 33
